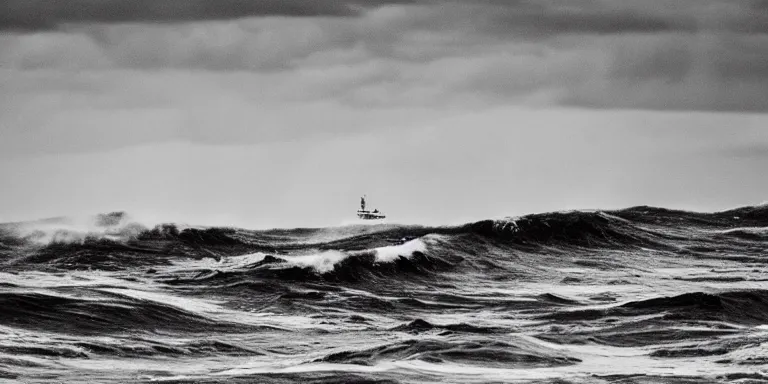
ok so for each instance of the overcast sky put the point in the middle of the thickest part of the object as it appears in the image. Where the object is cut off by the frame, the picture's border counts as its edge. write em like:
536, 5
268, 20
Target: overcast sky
265, 113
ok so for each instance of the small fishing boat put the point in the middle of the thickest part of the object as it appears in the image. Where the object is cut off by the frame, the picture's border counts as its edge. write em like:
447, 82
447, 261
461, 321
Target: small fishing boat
365, 214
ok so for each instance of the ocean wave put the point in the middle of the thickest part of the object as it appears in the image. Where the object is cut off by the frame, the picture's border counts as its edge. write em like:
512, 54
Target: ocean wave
521, 354
115, 241
576, 294
739, 307
117, 226
124, 347
582, 229
411, 257
86, 316
420, 326
747, 233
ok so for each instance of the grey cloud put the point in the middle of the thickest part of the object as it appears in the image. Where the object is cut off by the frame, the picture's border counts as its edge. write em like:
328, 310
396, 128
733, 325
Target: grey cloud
750, 151
543, 18
537, 21
522, 17
754, 19
44, 14
442, 53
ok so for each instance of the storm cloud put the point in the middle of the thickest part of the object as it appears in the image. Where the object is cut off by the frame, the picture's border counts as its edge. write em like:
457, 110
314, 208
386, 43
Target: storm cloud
535, 17
43, 14
136, 72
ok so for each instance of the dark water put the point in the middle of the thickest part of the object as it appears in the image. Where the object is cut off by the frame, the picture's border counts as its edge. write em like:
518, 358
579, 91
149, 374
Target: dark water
641, 295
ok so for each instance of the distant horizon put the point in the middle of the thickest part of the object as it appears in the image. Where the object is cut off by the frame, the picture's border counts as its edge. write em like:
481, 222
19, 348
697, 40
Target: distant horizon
358, 222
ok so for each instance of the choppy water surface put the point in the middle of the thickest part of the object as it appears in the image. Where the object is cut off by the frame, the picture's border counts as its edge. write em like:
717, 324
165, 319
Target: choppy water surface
642, 295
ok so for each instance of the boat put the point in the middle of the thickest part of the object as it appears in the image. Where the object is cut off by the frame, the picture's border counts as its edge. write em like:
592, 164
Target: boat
365, 214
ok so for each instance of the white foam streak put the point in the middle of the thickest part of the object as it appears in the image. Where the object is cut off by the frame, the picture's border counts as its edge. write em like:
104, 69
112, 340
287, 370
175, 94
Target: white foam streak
392, 252
224, 263
321, 262
325, 262
752, 230
77, 229
34, 279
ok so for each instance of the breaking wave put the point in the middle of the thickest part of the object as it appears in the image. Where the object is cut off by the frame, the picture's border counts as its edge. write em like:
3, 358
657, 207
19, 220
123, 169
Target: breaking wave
608, 295
114, 241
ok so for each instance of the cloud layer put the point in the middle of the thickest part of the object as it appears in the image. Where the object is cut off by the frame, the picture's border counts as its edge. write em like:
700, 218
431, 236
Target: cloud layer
43, 14
125, 71
535, 16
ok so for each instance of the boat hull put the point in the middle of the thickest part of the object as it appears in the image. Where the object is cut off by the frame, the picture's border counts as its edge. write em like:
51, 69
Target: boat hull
367, 215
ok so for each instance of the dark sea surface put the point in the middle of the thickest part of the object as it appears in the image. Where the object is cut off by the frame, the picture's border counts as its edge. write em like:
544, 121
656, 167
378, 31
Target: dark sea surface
640, 295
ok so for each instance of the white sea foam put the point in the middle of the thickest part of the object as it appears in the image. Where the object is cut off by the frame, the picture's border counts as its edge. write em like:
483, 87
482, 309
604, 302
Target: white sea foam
35, 279
224, 263
392, 252
753, 230
77, 229
325, 261
321, 262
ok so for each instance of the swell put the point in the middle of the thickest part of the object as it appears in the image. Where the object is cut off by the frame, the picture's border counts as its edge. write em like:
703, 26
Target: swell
572, 229
421, 326
485, 352
110, 314
747, 307
325, 267
128, 347
688, 325
753, 216
128, 245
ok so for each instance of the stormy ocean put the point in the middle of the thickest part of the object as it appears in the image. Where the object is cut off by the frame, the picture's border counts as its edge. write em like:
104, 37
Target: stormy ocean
639, 295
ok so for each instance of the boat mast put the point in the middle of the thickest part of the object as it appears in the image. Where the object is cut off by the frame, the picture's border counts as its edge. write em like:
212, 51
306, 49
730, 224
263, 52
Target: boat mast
362, 203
